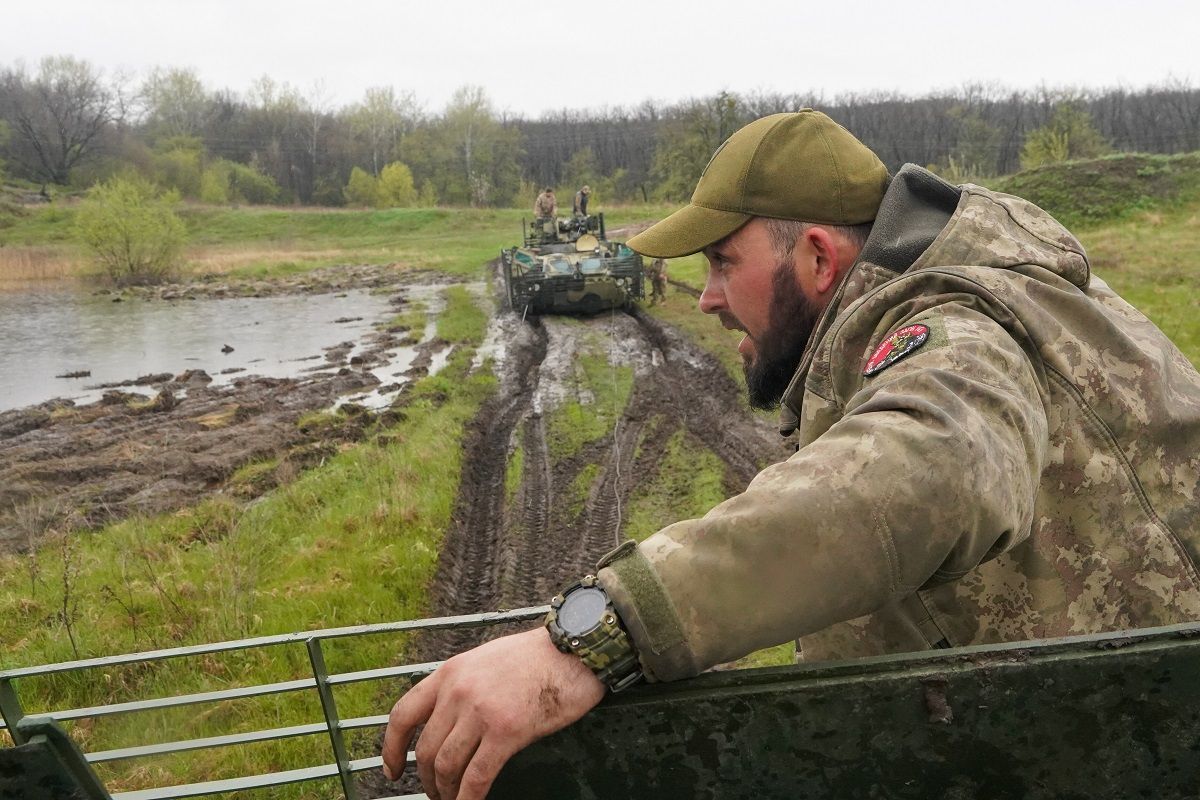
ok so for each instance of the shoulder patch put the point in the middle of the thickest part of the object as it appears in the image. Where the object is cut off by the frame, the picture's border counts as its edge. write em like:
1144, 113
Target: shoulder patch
896, 347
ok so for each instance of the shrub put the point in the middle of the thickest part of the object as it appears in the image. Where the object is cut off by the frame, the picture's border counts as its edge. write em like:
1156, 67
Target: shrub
428, 197
177, 165
1068, 136
214, 185
133, 232
362, 189
248, 185
396, 186
230, 182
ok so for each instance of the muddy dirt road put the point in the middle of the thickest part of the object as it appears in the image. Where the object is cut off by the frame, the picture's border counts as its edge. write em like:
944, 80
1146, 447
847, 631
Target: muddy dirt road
508, 553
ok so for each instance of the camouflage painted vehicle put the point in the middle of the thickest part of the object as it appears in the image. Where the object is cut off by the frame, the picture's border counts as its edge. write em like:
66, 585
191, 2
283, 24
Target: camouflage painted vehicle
568, 266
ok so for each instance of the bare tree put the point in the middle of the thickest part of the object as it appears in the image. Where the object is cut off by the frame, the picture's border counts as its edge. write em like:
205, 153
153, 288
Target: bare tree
59, 115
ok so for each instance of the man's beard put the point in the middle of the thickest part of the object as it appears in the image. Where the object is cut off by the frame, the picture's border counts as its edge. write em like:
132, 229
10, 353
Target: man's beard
791, 319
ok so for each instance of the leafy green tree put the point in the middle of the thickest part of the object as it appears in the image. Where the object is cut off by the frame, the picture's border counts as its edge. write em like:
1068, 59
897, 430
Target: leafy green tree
582, 168
214, 185
362, 189
976, 153
427, 198
179, 165
4, 134
382, 120
471, 157
230, 182
686, 143
1070, 134
176, 101
396, 186
248, 185
132, 231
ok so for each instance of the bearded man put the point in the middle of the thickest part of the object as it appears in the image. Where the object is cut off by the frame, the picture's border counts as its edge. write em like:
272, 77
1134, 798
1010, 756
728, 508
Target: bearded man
992, 446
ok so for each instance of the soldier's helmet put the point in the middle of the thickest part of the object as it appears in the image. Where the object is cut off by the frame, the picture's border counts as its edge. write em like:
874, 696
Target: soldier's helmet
586, 189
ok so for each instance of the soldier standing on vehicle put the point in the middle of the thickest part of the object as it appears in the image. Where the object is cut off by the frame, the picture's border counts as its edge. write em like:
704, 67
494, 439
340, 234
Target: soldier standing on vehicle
658, 281
993, 446
581, 200
546, 206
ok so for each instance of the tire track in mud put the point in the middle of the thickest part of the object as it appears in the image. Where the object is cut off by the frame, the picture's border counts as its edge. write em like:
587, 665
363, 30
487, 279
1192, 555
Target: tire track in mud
610, 494
713, 410
507, 549
477, 559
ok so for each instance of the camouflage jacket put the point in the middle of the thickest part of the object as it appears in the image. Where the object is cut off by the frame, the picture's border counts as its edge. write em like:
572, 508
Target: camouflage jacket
545, 205
1030, 469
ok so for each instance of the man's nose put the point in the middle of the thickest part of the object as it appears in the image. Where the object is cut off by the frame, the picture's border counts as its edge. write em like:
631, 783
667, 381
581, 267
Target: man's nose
712, 299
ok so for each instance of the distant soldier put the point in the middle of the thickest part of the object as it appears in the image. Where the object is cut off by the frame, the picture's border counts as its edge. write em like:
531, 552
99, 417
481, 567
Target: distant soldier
581, 200
658, 281
546, 206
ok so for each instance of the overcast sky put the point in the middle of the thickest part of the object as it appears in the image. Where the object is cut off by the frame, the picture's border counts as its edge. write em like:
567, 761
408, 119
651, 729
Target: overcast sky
536, 56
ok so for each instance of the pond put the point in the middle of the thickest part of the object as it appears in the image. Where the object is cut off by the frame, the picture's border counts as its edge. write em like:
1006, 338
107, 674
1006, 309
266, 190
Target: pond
51, 332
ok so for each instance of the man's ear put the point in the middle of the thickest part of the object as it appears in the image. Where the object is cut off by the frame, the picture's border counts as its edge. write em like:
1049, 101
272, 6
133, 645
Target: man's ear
828, 263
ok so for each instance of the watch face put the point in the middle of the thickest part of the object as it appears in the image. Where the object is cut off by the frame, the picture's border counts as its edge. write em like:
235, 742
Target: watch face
582, 611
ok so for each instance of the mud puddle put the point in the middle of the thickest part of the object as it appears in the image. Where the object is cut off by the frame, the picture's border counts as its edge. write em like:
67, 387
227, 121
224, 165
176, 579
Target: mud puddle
161, 441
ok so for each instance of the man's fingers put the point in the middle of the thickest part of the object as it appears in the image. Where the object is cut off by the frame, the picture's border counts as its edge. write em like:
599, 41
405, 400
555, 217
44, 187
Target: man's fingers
429, 743
482, 771
410, 711
452, 758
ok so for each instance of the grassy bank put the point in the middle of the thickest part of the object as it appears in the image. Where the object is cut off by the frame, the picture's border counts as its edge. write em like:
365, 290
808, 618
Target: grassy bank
41, 244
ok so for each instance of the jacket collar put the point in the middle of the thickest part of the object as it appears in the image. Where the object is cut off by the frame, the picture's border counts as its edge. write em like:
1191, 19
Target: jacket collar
914, 210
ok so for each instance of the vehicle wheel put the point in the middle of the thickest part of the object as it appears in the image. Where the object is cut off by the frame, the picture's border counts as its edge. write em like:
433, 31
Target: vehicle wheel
591, 304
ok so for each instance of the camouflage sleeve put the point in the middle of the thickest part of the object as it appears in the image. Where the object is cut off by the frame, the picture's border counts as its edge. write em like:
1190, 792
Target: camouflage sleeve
932, 468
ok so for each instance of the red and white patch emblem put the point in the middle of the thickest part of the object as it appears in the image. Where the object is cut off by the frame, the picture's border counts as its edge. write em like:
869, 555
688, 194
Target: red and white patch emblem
896, 347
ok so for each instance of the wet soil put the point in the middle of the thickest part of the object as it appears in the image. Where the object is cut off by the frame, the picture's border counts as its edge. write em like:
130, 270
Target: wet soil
500, 555
65, 467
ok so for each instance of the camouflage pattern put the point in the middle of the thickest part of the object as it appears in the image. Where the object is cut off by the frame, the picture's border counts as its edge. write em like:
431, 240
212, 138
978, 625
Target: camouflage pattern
658, 280
545, 206
565, 267
581, 202
605, 649
1032, 470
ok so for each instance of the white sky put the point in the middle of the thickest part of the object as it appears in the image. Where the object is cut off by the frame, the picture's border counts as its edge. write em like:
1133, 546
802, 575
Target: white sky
535, 56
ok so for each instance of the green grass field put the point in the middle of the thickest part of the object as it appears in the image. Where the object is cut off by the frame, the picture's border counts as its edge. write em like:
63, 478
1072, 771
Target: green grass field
266, 241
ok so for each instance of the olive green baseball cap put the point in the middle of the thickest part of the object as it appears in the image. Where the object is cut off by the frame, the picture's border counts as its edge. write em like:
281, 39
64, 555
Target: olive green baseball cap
801, 166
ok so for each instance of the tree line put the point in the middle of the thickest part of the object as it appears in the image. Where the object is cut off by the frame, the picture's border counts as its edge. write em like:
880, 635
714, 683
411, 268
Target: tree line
66, 123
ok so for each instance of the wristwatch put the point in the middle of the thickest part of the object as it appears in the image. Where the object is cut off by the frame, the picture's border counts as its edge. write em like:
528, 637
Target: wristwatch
582, 621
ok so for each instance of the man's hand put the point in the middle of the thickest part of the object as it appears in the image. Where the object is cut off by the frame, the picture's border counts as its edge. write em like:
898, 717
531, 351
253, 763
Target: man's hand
481, 707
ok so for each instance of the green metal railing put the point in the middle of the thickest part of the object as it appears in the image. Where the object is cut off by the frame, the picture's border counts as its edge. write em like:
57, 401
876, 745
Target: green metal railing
1107, 717
324, 683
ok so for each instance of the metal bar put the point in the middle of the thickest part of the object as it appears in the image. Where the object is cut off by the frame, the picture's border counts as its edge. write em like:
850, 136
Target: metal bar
182, 700
406, 671
364, 722
329, 707
432, 623
185, 745
11, 711
253, 782
231, 784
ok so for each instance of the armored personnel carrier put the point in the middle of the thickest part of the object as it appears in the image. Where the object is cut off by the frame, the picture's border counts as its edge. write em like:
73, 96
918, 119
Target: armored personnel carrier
568, 266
